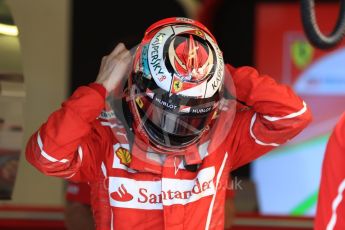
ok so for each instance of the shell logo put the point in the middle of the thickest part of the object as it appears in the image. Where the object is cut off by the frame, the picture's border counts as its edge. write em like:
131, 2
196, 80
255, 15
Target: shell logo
139, 102
124, 156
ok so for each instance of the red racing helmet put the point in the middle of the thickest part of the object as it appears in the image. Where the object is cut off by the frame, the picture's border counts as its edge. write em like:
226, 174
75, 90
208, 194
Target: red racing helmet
176, 84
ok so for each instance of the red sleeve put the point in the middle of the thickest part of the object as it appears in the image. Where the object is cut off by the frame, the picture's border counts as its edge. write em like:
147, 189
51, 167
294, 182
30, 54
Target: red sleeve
66, 142
99, 88
330, 213
275, 115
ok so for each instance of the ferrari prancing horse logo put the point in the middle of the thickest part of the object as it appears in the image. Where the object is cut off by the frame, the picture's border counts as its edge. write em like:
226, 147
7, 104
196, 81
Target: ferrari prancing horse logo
177, 85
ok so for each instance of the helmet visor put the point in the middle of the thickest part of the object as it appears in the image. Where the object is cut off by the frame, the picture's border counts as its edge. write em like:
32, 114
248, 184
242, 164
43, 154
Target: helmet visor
176, 124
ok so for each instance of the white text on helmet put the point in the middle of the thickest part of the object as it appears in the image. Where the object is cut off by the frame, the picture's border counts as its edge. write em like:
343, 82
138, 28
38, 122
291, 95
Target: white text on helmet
155, 61
165, 104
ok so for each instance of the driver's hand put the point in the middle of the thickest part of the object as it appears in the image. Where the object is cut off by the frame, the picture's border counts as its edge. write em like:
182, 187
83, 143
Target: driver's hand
114, 68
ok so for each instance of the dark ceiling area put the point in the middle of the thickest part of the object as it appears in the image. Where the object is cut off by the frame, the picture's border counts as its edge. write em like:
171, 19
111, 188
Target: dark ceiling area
97, 28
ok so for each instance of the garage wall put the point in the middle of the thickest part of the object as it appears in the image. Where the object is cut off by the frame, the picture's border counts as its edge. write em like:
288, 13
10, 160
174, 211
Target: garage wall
44, 41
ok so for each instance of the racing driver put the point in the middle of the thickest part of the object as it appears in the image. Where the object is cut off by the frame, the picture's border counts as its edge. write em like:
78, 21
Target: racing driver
158, 132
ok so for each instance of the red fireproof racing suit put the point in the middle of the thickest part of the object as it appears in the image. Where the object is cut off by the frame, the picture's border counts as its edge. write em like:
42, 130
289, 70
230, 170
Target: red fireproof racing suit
78, 192
330, 212
78, 144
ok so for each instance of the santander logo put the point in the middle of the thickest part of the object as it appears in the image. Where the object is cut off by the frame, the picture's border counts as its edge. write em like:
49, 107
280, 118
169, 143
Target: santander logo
122, 194
169, 195
130, 193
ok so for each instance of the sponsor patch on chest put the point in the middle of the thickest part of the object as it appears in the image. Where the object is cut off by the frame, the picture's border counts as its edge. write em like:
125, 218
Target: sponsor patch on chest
130, 193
